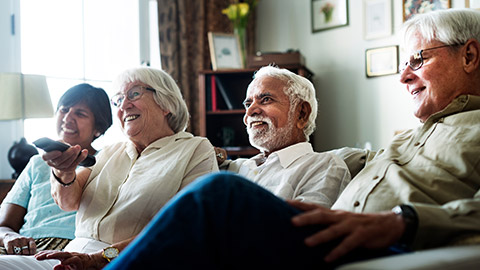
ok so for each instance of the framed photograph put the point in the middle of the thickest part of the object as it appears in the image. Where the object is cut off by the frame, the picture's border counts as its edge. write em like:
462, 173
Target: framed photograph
377, 16
412, 7
381, 61
472, 4
225, 51
328, 14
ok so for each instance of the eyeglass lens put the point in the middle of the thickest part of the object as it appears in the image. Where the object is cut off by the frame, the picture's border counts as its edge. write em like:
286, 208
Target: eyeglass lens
415, 62
132, 95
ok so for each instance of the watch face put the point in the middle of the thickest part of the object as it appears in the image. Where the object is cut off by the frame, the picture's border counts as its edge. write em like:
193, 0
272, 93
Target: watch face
111, 252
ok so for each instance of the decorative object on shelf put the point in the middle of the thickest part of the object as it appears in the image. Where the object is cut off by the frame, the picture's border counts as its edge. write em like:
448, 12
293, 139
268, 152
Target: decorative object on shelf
225, 51
328, 14
377, 16
238, 13
19, 155
278, 58
381, 61
411, 7
23, 96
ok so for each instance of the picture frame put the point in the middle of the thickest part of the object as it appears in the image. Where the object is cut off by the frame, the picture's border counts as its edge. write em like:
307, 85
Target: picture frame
381, 61
225, 51
377, 15
328, 14
411, 8
472, 4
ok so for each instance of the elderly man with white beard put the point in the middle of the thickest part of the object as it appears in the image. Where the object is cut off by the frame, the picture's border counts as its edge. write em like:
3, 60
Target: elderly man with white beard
281, 109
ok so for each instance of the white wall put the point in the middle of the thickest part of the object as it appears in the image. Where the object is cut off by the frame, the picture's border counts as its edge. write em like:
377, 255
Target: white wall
10, 131
353, 109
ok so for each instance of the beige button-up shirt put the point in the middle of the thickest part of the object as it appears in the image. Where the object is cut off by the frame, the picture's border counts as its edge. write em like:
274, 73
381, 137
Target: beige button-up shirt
434, 168
297, 172
125, 190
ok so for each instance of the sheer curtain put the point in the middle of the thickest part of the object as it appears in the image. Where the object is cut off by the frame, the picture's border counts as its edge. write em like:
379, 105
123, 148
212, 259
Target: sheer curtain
183, 26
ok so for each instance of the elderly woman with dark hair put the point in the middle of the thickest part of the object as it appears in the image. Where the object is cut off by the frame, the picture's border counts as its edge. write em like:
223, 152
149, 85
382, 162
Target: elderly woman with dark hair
131, 180
29, 218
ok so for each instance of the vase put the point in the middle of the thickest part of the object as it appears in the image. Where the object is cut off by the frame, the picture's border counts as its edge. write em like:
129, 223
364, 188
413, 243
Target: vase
241, 32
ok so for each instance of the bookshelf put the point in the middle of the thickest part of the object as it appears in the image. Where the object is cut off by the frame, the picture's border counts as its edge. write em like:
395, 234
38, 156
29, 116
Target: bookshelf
221, 111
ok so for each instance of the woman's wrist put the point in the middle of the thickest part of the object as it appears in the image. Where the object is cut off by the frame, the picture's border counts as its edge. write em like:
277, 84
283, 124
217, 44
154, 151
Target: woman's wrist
61, 182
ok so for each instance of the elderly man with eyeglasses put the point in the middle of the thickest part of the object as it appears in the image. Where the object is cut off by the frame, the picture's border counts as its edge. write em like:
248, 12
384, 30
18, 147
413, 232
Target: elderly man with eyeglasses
420, 192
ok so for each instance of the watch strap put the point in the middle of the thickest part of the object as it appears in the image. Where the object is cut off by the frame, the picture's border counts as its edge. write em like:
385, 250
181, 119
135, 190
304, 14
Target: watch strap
410, 218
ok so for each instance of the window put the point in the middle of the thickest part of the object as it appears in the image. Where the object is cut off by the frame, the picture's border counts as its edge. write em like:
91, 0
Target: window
90, 41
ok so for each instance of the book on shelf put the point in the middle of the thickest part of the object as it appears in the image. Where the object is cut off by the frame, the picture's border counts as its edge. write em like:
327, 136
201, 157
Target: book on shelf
213, 91
208, 94
224, 94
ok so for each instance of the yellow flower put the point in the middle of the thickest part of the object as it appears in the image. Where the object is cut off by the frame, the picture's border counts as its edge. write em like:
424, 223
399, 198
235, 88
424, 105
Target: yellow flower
238, 12
243, 9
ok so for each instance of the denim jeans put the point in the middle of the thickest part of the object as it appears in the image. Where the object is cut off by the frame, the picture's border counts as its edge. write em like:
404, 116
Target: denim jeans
223, 221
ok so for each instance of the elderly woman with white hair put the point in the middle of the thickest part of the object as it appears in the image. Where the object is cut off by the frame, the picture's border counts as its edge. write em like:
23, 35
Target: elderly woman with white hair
131, 180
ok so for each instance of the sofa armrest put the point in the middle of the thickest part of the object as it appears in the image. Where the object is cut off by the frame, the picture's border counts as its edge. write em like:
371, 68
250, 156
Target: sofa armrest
457, 257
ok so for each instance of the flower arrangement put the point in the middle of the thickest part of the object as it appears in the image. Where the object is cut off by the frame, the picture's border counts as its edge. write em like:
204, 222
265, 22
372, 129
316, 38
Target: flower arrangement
327, 10
238, 14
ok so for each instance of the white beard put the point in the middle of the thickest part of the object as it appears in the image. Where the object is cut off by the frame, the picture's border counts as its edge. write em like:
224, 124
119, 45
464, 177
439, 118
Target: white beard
269, 137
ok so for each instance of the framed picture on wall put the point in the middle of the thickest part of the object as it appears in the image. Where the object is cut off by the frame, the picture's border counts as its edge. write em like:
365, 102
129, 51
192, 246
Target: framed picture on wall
377, 15
225, 51
381, 61
412, 7
328, 14
472, 4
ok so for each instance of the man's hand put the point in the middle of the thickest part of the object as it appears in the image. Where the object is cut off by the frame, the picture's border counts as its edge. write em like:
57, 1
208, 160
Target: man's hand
73, 260
17, 244
371, 231
221, 155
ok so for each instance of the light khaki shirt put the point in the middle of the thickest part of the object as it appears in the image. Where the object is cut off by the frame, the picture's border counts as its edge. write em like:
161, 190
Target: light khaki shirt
125, 190
434, 168
297, 172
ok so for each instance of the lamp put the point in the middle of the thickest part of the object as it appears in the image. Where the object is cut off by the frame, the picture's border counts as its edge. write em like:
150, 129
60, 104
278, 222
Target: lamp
23, 96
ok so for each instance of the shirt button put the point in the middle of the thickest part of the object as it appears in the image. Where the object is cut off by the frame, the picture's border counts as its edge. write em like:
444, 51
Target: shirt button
356, 203
375, 177
416, 144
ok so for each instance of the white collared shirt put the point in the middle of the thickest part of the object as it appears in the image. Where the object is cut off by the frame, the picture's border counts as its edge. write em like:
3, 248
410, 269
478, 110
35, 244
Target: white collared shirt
297, 172
125, 189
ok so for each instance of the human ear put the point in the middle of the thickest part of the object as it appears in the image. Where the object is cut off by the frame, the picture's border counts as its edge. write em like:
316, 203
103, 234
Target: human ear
471, 55
304, 111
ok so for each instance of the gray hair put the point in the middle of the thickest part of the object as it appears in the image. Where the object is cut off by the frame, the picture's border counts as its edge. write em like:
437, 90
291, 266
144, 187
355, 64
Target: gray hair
450, 26
297, 88
167, 93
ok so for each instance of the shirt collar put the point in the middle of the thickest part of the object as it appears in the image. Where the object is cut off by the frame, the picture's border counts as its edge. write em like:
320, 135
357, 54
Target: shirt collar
287, 155
132, 150
462, 103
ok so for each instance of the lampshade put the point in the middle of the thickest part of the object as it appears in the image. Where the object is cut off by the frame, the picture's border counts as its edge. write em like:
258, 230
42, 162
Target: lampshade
24, 96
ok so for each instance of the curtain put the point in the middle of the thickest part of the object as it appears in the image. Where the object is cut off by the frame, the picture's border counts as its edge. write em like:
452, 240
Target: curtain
183, 26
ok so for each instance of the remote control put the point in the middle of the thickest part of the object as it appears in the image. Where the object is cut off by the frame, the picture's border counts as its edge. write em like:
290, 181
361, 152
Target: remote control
50, 145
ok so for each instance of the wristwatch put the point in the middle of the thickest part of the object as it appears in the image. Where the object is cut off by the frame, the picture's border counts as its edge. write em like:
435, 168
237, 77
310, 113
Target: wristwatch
110, 253
411, 223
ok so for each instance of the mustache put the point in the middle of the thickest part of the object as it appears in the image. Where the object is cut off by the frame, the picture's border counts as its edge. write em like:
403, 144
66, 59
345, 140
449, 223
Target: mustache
252, 119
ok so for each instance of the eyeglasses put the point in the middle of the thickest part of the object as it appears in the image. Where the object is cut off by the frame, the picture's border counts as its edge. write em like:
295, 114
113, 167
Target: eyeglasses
416, 59
133, 94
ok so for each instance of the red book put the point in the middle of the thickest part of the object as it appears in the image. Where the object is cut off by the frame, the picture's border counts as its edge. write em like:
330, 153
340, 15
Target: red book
214, 92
